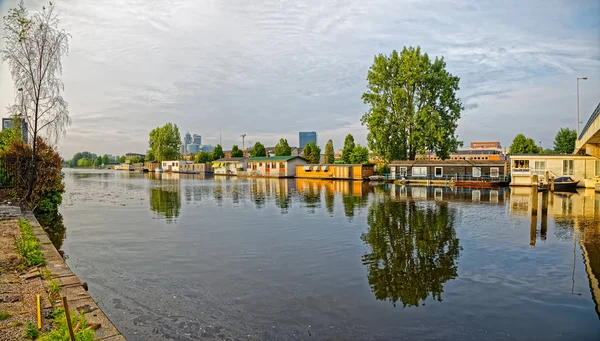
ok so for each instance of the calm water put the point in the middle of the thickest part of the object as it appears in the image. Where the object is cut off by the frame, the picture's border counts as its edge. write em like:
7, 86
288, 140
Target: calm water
188, 258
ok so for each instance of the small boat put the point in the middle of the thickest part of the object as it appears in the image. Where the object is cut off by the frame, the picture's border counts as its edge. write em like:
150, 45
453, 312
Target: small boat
565, 184
159, 169
144, 170
377, 178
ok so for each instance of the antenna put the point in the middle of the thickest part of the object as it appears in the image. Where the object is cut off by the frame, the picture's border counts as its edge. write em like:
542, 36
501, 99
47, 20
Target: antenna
243, 140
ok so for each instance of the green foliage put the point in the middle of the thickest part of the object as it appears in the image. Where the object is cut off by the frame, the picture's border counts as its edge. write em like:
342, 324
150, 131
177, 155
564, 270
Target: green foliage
52, 223
312, 152
28, 246
4, 315
564, 142
165, 142
283, 148
360, 155
203, 157
548, 151
258, 150
524, 145
348, 149
166, 202
413, 250
31, 331
53, 287
218, 153
122, 159
236, 151
60, 330
10, 135
137, 159
329, 153
74, 162
98, 162
383, 168
150, 156
105, 159
413, 106
48, 187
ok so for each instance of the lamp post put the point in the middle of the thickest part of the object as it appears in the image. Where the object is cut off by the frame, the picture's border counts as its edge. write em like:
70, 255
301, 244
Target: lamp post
578, 78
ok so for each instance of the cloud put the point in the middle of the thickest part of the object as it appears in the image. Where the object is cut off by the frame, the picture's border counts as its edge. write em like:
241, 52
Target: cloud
273, 68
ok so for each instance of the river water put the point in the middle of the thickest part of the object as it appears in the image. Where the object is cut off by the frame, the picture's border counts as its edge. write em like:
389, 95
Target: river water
177, 257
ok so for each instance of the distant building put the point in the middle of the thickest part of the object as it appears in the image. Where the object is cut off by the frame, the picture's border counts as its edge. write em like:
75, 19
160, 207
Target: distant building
193, 148
181, 149
197, 139
486, 145
207, 148
8, 123
305, 137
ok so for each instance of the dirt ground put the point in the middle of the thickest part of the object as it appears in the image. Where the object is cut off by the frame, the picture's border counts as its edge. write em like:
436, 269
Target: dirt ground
17, 292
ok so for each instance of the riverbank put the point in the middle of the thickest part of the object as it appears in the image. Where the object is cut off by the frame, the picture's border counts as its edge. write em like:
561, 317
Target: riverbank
19, 285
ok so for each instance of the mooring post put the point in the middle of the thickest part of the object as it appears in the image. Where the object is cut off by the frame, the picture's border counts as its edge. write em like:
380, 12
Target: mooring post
545, 203
552, 184
544, 228
534, 211
532, 230
534, 200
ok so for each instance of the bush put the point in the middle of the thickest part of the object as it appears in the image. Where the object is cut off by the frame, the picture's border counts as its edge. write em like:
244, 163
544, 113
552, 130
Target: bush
28, 246
48, 187
31, 331
4, 315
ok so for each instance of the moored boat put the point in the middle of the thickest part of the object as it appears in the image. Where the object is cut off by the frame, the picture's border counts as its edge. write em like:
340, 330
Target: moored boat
377, 178
565, 184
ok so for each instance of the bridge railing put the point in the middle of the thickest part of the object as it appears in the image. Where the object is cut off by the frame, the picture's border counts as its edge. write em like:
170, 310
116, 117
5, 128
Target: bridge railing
595, 115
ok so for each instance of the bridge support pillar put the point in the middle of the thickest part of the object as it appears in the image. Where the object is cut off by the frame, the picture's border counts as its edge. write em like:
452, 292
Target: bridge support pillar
592, 149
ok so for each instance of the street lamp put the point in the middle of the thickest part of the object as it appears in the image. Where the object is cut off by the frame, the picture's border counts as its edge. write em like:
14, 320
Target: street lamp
578, 78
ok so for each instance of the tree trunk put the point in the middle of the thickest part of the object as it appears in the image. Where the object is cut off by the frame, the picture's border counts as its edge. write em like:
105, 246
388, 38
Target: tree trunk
33, 166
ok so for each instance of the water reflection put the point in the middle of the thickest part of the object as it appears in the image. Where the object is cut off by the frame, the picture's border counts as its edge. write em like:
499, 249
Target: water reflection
414, 250
165, 198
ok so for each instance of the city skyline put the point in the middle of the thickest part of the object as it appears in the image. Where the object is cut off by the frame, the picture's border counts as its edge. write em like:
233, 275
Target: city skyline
277, 70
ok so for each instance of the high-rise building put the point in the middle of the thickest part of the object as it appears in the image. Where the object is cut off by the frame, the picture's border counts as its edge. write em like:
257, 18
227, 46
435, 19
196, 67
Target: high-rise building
193, 148
187, 139
197, 139
305, 137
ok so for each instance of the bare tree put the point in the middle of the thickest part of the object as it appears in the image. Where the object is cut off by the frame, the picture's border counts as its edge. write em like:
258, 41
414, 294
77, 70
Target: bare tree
34, 47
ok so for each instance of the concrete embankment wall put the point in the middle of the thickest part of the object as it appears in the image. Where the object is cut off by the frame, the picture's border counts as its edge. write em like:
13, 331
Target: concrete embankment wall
70, 285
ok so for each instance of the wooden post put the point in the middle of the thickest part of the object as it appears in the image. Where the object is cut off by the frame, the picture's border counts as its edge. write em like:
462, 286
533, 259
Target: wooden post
68, 317
552, 184
532, 230
534, 201
544, 229
545, 203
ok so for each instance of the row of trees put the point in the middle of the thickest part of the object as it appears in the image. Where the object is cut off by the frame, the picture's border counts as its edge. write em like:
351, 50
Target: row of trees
564, 143
87, 159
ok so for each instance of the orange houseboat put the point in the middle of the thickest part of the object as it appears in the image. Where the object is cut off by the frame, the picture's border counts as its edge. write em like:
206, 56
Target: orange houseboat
335, 171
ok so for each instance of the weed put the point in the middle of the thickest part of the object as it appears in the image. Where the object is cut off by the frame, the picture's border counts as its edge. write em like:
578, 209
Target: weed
17, 324
61, 331
4, 315
31, 331
53, 287
28, 246
46, 274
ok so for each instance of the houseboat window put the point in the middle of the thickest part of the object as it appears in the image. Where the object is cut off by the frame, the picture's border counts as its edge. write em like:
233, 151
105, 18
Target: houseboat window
403, 171
260, 164
521, 164
539, 166
273, 165
568, 167
494, 172
476, 172
438, 172
419, 171
282, 165
597, 173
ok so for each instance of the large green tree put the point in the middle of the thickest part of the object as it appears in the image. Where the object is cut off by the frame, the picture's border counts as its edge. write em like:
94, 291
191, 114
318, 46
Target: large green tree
105, 159
312, 153
236, 151
283, 148
81, 155
218, 153
564, 142
524, 145
348, 149
413, 250
165, 142
359, 155
122, 159
203, 157
98, 162
329, 153
258, 150
413, 106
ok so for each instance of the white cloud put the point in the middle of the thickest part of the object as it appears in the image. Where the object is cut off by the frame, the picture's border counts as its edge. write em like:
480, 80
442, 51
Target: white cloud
272, 68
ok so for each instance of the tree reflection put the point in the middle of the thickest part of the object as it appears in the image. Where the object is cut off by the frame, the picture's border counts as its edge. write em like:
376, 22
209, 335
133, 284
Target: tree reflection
414, 250
54, 226
352, 202
329, 200
166, 202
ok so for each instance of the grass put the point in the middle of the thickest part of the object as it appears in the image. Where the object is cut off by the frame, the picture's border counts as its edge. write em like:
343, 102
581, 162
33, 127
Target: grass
61, 332
17, 324
4, 315
46, 274
31, 331
53, 287
28, 246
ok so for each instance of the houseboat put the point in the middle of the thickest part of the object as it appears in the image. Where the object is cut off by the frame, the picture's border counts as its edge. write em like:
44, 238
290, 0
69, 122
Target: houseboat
529, 169
196, 168
229, 166
276, 166
459, 173
125, 167
335, 171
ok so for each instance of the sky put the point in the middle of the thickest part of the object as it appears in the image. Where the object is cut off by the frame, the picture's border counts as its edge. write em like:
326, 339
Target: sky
272, 68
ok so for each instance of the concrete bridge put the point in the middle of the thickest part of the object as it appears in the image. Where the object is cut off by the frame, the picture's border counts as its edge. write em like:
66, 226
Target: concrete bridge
588, 141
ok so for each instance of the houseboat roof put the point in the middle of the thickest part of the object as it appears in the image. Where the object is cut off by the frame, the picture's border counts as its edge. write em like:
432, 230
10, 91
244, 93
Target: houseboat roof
275, 158
575, 156
446, 162
231, 159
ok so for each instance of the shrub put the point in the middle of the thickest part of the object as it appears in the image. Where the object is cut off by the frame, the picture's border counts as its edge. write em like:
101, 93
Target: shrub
4, 315
31, 331
48, 187
60, 329
28, 246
